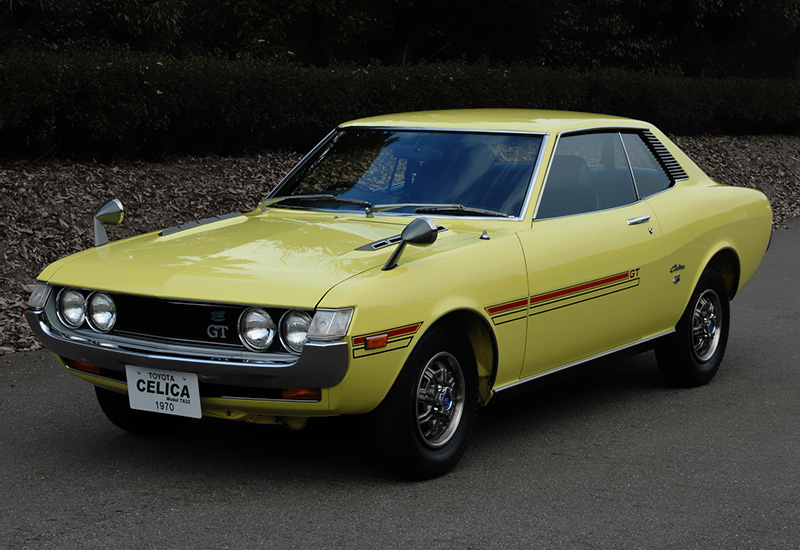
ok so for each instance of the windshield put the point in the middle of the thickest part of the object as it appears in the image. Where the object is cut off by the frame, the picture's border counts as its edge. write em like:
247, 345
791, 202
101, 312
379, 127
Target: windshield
399, 171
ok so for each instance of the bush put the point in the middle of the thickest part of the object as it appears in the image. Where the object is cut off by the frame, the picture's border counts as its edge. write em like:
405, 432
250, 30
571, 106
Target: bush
139, 104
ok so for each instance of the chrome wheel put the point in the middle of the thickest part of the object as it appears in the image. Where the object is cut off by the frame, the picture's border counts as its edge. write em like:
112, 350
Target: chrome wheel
440, 399
706, 325
692, 355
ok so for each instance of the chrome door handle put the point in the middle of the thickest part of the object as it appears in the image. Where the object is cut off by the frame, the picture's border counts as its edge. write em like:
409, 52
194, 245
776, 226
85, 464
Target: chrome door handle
640, 219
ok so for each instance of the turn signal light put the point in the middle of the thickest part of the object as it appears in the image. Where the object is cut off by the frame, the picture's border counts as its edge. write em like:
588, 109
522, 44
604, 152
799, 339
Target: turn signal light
375, 342
83, 367
302, 394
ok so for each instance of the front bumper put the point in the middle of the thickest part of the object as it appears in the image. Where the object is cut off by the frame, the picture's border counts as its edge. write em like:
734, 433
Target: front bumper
321, 365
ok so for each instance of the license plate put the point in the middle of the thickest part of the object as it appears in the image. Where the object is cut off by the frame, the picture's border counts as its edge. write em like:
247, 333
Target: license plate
163, 391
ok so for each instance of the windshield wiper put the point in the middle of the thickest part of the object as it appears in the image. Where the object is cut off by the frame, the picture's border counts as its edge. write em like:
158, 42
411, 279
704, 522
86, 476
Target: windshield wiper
369, 209
459, 209
416, 205
288, 202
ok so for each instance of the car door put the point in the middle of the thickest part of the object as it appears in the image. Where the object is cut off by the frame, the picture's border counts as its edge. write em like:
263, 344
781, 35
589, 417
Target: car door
591, 254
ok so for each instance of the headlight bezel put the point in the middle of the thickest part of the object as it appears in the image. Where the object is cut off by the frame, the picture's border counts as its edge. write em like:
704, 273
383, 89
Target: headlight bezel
60, 307
240, 325
285, 319
91, 321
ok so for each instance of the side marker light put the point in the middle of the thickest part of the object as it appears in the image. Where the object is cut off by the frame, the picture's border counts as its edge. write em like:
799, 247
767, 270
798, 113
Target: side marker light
375, 342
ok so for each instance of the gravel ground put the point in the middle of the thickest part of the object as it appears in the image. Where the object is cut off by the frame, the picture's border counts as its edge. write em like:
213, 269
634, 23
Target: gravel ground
47, 207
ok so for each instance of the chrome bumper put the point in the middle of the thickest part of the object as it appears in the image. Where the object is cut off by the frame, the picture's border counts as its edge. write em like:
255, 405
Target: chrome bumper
319, 366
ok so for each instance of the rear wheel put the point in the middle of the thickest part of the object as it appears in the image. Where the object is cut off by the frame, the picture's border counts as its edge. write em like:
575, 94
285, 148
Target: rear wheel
424, 423
692, 355
117, 409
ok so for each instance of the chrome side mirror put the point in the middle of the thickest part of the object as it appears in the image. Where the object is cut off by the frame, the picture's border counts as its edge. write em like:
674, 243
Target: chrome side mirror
421, 231
112, 213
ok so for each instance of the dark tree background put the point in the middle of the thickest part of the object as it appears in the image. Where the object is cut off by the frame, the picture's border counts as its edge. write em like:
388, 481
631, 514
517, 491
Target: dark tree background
716, 38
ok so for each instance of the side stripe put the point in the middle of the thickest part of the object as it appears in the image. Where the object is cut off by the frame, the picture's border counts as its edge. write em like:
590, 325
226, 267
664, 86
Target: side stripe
520, 308
396, 338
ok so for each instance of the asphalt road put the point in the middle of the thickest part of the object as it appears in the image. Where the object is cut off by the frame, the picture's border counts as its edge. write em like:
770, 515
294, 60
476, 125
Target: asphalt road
607, 458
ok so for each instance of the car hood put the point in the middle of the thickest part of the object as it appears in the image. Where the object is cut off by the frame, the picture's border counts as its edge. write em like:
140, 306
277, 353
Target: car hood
277, 258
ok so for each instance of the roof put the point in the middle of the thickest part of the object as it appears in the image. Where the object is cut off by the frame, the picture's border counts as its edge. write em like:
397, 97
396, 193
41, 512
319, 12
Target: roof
514, 120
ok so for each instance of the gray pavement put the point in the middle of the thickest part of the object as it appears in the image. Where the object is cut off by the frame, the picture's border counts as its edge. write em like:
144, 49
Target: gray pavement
607, 458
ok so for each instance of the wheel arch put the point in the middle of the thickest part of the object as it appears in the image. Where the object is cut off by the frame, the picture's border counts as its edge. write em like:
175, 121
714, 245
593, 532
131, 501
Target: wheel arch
483, 341
726, 263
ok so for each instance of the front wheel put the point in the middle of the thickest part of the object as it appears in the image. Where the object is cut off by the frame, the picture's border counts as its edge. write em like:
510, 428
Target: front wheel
692, 355
424, 423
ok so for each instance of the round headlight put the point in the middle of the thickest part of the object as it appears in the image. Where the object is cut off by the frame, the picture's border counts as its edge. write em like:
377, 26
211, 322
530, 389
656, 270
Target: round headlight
294, 330
72, 307
102, 312
256, 329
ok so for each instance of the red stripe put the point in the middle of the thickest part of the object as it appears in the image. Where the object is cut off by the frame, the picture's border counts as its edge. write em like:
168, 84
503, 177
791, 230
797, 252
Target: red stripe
579, 288
410, 329
505, 307
405, 330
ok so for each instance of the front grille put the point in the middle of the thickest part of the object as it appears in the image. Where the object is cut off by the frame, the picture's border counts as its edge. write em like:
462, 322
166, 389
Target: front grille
186, 322
183, 322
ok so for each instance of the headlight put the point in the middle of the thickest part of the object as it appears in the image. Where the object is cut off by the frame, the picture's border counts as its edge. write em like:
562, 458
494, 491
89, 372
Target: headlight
102, 312
71, 307
330, 324
256, 329
294, 330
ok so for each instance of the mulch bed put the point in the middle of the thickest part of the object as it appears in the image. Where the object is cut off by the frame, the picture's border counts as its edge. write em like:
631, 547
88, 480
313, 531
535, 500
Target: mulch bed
47, 207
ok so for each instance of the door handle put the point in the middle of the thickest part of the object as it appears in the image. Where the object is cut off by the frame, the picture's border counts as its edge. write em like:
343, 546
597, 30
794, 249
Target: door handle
637, 221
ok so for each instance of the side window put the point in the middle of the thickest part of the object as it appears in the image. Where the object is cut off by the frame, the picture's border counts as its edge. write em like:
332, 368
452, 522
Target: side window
650, 177
588, 172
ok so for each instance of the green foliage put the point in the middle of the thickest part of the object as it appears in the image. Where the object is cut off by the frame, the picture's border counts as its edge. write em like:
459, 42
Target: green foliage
718, 38
138, 104
142, 23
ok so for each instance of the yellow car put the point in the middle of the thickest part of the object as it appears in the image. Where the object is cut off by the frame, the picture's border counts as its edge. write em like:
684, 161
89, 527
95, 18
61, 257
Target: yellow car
411, 266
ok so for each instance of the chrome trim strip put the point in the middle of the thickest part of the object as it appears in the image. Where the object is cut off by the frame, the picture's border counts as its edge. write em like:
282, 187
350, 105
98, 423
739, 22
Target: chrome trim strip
532, 184
449, 130
588, 359
321, 364
630, 166
546, 175
297, 167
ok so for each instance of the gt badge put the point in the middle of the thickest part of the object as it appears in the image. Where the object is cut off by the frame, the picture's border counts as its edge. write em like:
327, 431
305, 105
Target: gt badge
215, 330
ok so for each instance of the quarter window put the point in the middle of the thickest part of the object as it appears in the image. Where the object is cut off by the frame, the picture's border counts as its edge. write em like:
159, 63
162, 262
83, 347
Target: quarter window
588, 172
650, 177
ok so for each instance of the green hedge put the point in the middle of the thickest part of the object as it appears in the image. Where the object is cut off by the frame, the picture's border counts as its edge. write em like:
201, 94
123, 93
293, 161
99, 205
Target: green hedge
132, 104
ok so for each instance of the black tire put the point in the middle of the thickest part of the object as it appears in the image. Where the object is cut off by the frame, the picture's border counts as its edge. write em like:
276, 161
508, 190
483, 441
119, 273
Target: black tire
692, 355
118, 411
424, 423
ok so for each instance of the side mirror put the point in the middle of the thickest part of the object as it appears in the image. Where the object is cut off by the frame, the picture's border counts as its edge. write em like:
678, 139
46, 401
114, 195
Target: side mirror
112, 213
421, 231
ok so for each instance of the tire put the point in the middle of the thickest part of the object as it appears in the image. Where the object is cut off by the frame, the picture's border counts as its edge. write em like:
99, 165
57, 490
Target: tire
424, 423
118, 411
692, 355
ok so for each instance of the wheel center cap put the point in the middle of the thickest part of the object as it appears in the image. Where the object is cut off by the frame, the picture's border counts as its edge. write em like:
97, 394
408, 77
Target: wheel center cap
445, 398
